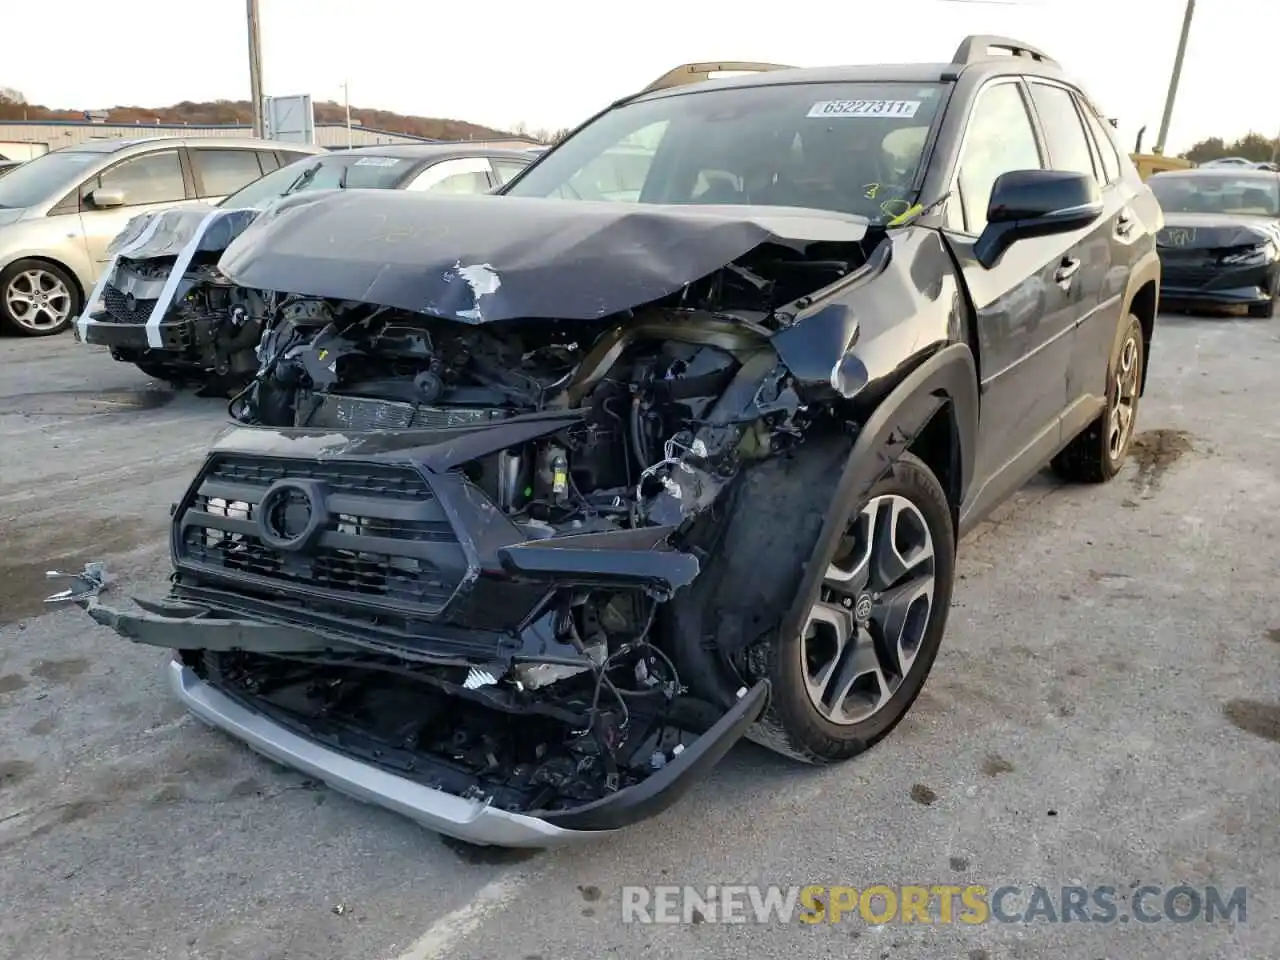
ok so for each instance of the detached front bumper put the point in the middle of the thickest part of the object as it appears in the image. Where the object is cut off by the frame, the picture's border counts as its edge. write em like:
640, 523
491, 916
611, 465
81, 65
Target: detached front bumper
464, 819
131, 340
475, 822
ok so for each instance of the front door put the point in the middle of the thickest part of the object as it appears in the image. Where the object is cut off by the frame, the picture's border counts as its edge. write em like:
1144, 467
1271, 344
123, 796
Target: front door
149, 181
1024, 305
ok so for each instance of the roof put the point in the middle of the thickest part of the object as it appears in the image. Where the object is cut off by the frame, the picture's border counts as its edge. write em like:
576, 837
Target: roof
444, 150
118, 144
973, 56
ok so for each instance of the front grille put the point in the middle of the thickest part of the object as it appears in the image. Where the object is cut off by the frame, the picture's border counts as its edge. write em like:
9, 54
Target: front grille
387, 544
361, 413
118, 306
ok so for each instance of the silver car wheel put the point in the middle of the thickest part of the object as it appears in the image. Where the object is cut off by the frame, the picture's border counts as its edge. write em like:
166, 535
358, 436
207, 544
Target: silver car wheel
866, 627
38, 300
1120, 425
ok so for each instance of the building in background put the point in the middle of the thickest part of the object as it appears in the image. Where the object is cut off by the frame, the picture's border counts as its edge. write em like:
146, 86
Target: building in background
24, 139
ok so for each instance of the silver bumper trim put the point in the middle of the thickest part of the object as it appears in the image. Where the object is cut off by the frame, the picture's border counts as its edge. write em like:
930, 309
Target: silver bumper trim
466, 820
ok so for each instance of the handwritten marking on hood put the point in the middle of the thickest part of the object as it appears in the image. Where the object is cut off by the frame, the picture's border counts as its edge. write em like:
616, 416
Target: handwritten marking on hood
483, 281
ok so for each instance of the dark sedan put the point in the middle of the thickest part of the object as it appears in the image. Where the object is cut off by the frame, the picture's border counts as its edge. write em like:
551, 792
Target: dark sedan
1220, 244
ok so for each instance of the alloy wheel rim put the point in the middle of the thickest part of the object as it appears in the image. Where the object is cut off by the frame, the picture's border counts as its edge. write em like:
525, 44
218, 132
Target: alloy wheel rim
1120, 422
37, 300
865, 630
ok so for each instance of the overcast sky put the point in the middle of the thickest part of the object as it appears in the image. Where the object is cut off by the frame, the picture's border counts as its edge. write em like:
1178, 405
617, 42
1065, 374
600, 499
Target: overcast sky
550, 63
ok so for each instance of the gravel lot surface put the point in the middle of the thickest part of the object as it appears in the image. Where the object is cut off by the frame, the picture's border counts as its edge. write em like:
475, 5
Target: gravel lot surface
1105, 711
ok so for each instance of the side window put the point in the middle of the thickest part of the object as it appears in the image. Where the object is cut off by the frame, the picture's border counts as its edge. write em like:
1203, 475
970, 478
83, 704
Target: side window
506, 169
999, 139
150, 178
1106, 146
223, 172
462, 183
463, 175
1063, 133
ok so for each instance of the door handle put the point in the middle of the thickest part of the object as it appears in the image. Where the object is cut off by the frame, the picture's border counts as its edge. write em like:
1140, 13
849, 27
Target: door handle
1124, 225
1066, 270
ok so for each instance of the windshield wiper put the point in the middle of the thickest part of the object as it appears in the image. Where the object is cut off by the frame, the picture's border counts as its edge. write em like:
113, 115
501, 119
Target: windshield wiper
911, 214
304, 178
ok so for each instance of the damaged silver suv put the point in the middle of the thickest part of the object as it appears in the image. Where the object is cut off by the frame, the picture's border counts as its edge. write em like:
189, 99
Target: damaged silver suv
540, 502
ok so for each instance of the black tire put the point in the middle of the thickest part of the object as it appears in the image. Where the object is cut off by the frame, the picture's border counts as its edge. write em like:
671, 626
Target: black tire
175, 376
15, 323
791, 724
1090, 456
1263, 311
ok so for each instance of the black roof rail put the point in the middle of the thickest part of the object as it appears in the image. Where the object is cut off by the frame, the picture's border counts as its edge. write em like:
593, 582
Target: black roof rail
977, 47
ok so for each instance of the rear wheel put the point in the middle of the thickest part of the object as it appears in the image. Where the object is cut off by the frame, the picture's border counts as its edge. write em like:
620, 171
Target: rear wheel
1263, 311
874, 629
1096, 454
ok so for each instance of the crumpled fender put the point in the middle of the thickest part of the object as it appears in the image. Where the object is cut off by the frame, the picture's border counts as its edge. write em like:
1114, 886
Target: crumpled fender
946, 381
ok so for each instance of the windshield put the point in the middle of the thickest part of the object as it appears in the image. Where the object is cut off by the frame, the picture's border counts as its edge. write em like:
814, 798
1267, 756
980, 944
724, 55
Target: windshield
848, 147
1218, 194
339, 171
45, 178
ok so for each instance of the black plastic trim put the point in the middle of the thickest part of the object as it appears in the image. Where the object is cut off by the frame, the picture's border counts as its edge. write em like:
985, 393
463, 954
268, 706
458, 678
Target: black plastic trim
665, 787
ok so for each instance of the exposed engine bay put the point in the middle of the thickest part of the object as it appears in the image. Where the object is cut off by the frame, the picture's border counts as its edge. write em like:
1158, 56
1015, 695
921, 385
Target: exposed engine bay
458, 538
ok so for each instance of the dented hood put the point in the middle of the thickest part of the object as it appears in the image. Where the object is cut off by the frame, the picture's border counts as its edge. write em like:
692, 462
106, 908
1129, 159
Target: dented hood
166, 233
1206, 231
481, 259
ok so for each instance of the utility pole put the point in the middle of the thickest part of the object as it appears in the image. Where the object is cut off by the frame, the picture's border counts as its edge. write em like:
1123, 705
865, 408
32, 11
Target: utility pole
1174, 78
346, 99
255, 68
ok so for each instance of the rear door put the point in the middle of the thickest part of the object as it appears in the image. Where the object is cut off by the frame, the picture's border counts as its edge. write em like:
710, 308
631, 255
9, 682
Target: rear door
221, 171
1130, 241
1023, 318
149, 181
1095, 310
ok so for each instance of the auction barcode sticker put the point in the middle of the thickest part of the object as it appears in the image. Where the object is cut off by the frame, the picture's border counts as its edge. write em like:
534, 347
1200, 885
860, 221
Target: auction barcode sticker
864, 108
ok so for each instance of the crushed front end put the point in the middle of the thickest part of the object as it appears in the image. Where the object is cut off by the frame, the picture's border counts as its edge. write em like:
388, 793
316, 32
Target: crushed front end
434, 561
162, 305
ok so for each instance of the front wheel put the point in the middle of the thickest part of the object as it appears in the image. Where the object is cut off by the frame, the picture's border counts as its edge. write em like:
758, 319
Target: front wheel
37, 298
874, 629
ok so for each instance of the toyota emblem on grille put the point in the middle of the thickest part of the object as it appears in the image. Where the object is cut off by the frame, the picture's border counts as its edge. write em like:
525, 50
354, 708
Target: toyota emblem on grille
292, 514
130, 302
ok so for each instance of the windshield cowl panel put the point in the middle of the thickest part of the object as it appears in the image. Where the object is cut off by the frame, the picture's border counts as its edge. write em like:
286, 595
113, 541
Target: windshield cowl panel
852, 148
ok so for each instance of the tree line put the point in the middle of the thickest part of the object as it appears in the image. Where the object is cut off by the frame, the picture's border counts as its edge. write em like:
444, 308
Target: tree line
14, 106
1252, 146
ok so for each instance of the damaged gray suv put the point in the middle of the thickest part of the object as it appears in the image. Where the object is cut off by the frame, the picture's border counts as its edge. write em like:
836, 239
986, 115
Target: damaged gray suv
539, 502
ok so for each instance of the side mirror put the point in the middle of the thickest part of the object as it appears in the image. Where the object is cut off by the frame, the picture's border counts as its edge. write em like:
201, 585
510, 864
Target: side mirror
105, 198
1036, 203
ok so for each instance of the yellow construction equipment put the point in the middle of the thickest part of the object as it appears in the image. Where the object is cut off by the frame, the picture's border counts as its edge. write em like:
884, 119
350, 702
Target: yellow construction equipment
1149, 163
